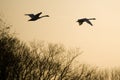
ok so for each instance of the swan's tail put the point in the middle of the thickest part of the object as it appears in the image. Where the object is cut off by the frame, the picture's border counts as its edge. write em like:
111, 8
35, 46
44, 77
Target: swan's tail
92, 18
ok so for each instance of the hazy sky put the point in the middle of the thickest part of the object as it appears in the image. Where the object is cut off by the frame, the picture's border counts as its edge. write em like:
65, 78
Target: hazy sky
100, 43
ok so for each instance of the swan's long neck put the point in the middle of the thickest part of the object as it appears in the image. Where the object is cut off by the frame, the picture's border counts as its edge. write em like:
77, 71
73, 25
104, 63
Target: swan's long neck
92, 18
44, 16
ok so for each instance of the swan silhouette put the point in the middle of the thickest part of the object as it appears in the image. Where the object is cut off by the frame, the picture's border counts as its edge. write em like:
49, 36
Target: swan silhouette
87, 20
35, 17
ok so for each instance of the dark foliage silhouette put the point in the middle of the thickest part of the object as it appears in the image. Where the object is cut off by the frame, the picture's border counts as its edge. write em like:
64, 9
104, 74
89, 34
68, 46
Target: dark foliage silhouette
35, 62
81, 21
35, 17
44, 61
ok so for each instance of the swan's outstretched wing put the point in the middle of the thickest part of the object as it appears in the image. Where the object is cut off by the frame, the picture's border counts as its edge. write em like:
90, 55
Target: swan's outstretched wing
38, 14
30, 15
89, 22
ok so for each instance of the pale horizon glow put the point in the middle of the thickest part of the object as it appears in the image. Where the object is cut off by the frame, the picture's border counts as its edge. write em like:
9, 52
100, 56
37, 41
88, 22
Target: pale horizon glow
100, 42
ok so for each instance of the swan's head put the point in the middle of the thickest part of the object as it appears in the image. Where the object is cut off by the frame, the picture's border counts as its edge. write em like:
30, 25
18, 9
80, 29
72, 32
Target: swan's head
47, 16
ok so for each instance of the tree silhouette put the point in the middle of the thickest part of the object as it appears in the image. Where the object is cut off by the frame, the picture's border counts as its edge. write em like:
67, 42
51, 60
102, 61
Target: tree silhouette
44, 61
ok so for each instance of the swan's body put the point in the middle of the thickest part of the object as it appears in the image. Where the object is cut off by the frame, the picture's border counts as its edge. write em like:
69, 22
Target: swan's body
36, 16
80, 21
